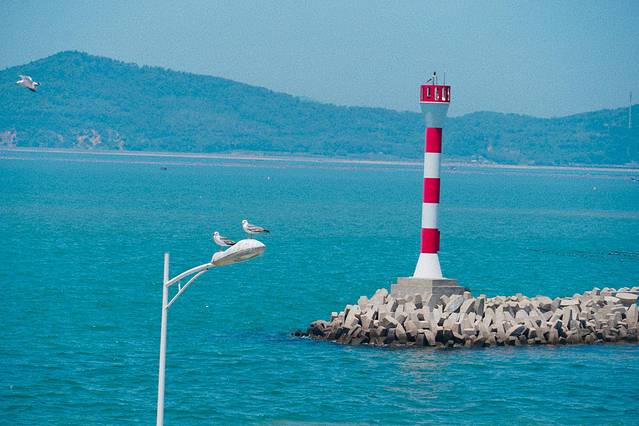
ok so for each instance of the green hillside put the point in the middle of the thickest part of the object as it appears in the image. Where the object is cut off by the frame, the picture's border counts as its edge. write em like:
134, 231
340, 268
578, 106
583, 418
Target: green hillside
99, 103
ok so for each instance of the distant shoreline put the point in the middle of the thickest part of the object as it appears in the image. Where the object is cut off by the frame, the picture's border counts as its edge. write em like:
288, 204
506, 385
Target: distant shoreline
318, 159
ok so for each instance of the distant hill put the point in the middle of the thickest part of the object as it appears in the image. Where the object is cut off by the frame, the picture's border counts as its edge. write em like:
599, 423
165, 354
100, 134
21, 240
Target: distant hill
125, 106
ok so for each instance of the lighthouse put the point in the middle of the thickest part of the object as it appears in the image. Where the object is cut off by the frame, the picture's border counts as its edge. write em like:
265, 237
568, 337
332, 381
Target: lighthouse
427, 280
434, 100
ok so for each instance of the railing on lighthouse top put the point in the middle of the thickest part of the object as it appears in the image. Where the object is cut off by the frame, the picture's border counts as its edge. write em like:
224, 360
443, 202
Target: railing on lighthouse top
434, 93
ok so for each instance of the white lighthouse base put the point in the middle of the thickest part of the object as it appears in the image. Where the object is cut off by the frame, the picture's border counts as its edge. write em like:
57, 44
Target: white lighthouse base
431, 289
428, 266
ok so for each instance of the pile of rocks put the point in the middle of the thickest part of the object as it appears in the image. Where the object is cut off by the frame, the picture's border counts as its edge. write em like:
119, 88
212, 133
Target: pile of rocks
599, 315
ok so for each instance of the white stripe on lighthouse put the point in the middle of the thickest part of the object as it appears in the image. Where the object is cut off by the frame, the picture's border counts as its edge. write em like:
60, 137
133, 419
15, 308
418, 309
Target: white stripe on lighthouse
431, 164
429, 215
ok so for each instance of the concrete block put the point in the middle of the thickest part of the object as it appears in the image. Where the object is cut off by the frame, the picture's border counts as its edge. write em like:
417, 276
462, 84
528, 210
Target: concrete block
401, 317
352, 317
418, 301
366, 320
363, 302
379, 297
388, 321
480, 305
422, 325
516, 330
611, 300
409, 307
467, 306
400, 334
430, 337
435, 288
521, 316
454, 303
411, 328
437, 314
627, 299
632, 316
391, 304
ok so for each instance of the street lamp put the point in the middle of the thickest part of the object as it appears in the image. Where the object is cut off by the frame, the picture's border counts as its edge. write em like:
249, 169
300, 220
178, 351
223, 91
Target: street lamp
241, 251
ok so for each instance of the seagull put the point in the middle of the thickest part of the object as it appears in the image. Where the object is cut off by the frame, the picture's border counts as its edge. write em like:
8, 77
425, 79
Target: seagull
252, 229
222, 241
26, 81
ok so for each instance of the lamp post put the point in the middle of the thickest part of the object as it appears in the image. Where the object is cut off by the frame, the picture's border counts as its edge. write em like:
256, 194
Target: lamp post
241, 251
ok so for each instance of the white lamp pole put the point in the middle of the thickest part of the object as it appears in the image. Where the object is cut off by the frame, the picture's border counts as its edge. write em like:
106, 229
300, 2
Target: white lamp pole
242, 250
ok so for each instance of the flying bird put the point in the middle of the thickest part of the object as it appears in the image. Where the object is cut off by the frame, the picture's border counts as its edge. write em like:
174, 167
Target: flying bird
252, 229
222, 241
26, 81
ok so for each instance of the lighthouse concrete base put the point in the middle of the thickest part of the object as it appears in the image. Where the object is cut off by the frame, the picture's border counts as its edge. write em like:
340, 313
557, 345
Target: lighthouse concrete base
431, 289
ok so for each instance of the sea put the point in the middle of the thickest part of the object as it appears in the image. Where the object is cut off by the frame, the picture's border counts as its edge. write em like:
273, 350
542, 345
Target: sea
81, 262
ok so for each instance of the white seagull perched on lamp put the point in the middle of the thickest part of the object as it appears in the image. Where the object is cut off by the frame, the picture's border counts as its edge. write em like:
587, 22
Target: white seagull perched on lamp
252, 229
26, 81
222, 241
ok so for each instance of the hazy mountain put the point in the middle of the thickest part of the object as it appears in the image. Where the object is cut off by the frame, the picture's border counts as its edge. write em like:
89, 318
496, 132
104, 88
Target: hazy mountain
99, 103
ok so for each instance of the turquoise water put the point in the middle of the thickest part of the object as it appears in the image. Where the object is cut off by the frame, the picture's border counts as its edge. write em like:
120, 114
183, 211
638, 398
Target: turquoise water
81, 267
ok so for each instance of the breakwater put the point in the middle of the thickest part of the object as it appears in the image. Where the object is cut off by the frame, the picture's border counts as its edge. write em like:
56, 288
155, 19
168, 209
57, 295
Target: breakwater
598, 315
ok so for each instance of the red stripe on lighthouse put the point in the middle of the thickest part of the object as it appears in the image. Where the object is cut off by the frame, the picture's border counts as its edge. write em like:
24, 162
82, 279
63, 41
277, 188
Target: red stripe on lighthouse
430, 240
431, 190
434, 139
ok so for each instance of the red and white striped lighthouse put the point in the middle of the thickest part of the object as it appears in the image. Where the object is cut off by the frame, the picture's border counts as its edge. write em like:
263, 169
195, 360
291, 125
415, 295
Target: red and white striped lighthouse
434, 101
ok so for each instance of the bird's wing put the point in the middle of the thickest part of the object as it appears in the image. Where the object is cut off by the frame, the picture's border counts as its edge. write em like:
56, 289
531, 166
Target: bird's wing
27, 79
227, 241
255, 228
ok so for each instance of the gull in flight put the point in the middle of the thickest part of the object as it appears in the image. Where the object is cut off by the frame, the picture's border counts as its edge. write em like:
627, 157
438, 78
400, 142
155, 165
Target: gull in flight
222, 241
252, 229
26, 81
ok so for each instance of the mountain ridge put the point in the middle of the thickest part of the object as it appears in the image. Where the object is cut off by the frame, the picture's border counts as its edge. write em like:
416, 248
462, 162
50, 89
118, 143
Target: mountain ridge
132, 107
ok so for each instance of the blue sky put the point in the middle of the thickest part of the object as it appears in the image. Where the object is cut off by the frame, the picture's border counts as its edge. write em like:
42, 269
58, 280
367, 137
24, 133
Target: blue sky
537, 58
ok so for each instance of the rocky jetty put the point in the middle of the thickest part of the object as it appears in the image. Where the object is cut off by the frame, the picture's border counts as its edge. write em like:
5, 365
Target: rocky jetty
599, 315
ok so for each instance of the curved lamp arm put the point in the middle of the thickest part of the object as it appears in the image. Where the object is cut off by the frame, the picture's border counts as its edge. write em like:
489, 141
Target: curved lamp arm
183, 288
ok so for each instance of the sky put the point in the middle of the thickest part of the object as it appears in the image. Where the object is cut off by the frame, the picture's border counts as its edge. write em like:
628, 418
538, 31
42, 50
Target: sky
541, 58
